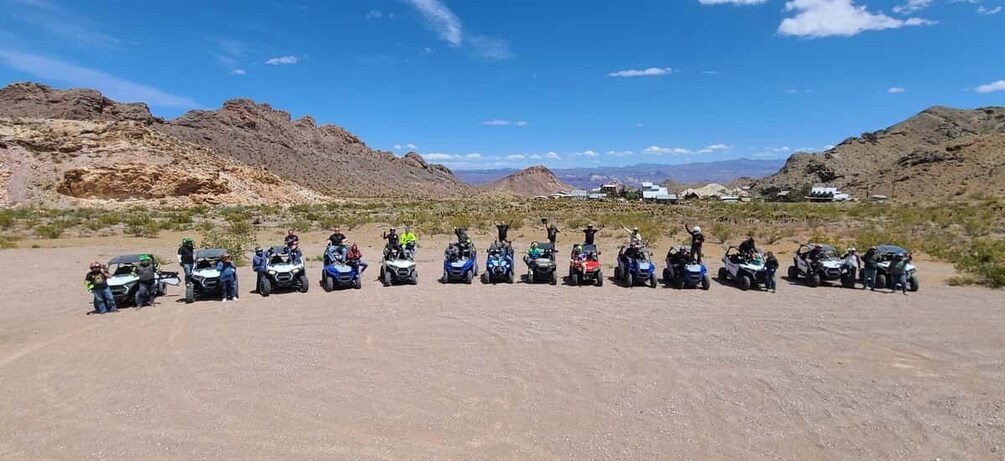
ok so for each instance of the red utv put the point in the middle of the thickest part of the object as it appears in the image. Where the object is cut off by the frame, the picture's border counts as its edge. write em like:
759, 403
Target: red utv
584, 266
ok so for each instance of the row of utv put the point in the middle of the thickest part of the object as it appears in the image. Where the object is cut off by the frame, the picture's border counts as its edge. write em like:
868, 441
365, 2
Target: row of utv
635, 267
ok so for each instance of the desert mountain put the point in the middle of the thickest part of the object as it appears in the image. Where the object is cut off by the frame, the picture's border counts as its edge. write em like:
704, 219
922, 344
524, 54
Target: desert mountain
939, 154
529, 182
59, 147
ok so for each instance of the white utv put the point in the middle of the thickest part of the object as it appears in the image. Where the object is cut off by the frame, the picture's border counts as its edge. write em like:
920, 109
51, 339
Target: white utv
885, 254
398, 267
745, 273
205, 277
282, 273
123, 282
828, 267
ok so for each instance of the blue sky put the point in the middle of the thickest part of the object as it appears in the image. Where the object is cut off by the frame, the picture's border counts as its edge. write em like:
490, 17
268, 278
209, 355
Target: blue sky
482, 84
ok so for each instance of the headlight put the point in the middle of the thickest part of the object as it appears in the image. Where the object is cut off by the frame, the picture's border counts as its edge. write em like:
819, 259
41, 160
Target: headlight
297, 270
272, 272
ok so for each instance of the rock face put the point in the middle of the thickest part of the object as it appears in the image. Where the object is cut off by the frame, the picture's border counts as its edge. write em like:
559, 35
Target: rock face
939, 154
325, 158
530, 182
60, 145
33, 100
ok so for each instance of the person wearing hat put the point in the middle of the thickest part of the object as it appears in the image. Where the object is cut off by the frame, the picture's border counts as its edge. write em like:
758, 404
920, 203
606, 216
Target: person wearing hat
146, 287
852, 261
186, 257
393, 242
635, 239
228, 278
259, 264
697, 239
96, 281
589, 233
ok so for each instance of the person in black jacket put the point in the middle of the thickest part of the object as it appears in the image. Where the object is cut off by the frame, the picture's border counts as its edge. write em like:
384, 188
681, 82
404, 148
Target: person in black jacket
697, 239
589, 234
291, 238
146, 286
186, 257
771, 264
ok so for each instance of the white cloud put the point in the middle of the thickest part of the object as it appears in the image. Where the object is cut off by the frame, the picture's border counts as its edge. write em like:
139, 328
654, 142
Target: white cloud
114, 87
988, 11
374, 14
828, 18
912, 6
283, 60
516, 157
585, 153
411, 146
619, 153
552, 155
657, 150
717, 147
237, 72
397, 147
437, 156
441, 20
650, 72
992, 87
498, 122
895, 90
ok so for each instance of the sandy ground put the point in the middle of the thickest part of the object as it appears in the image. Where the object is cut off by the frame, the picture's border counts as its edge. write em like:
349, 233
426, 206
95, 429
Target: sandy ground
508, 371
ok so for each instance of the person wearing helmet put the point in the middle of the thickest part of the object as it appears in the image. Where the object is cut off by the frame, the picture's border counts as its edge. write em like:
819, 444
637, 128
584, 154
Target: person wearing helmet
260, 264
146, 287
186, 257
228, 278
96, 281
697, 239
589, 234
407, 242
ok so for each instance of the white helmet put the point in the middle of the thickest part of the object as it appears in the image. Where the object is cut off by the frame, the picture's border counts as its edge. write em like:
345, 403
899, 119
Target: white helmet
697, 228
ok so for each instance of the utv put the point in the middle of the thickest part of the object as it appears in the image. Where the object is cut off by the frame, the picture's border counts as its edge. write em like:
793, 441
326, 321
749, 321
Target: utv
682, 271
283, 273
499, 264
585, 267
123, 282
543, 268
205, 278
746, 273
635, 267
827, 267
398, 267
885, 254
337, 272
460, 263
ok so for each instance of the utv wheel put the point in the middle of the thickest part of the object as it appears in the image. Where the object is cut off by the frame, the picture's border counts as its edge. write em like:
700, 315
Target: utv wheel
554, 278
510, 278
328, 283
574, 279
629, 280
304, 284
848, 281
793, 273
600, 278
413, 279
912, 284
469, 276
814, 280
357, 284
722, 274
617, 273
705, 283
386, 278
880, 281
190, 293
485, 278
444, 278
652, 280
266, 287
745, 282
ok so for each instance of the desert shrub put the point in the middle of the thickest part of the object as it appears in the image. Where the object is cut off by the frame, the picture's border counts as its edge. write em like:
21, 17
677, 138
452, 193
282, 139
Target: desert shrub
721, 231
7, 219
51, 230
771, 235
300, 225
984, 258
8, 242
141, 225
236, 238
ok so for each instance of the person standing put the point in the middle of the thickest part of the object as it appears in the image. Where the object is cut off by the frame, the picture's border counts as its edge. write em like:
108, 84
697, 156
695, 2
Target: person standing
96, 281
292, 237
852, 263
228, 278
870, 265
551, 229
186, 257
634, 238
260, 264
771, 265
589, 234
697, 240
502, 231
898, 273
146, 286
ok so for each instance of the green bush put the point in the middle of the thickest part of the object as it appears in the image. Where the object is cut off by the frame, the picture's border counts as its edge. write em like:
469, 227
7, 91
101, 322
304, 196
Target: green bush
236, 238
8, 242
985, 259
722, 231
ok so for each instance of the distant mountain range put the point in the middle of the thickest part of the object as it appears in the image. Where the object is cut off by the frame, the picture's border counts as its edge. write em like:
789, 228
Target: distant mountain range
633, 175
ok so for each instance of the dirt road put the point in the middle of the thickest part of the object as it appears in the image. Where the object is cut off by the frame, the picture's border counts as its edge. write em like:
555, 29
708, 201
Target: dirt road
508, 371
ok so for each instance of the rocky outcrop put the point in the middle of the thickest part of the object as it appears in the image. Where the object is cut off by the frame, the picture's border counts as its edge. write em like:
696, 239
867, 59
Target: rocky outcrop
939, 154
34, 100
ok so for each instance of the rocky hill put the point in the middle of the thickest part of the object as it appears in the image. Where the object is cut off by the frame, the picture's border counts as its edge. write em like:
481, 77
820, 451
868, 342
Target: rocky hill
939, 154
59, 147
529, 182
